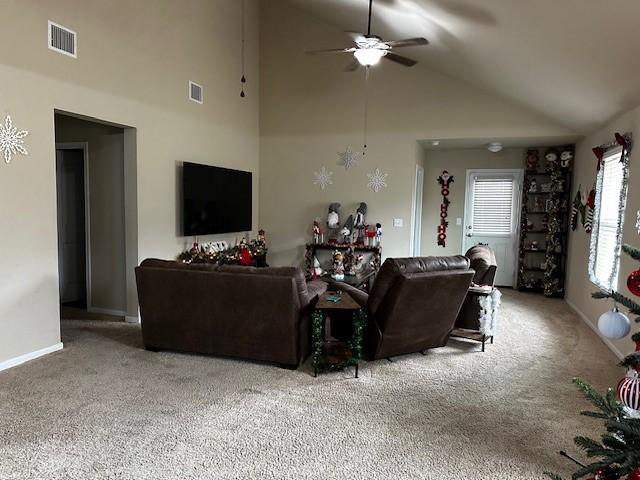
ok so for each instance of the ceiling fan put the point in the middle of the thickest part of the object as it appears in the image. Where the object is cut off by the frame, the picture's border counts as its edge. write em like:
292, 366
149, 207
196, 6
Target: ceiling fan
369, 49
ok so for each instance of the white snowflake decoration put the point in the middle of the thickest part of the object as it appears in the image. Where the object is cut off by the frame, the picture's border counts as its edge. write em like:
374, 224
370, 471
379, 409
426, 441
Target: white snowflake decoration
11, 140
348, 158
323, 178
377, 180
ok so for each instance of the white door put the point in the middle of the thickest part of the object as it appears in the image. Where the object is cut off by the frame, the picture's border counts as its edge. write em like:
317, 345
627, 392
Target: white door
71, 225
491, 216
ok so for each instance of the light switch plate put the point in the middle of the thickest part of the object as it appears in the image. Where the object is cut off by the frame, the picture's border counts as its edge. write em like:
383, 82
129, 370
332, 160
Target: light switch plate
397, 222
458, 221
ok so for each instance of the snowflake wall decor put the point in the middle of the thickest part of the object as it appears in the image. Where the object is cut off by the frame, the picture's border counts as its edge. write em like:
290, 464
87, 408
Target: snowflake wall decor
11, 140
377, 180
348, 158
638, 222
323, 178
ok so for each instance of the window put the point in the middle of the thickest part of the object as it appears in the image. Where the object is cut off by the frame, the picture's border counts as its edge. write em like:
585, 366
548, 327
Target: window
492, 205
606, 237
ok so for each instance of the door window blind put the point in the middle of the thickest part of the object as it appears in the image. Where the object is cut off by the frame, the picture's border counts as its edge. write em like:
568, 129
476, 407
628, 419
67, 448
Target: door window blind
607, 246
492, 206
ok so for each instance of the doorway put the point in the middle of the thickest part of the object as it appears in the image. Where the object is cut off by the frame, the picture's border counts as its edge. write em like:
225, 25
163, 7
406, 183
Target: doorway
492, 203
416, 221
73, 224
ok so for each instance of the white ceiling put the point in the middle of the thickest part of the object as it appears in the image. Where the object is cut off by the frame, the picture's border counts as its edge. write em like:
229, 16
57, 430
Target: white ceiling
572, 60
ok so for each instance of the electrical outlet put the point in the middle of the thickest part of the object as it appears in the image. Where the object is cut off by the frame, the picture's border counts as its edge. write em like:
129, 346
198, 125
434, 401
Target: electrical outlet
397, 222
458, 221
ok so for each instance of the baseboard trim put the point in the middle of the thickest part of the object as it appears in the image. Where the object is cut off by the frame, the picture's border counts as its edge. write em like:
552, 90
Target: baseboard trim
107, 311
604, 339
132, 319
14, 362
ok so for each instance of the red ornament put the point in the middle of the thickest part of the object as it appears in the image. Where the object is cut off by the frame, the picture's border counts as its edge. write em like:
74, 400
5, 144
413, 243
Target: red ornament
629, 391
245, 256
633, 283
635, 475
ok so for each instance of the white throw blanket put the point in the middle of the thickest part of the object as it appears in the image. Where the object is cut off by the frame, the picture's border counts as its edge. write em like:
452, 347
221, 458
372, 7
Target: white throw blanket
489, 305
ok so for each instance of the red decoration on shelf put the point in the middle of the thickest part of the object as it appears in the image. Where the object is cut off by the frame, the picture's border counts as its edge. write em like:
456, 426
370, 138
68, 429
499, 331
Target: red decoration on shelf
633, 283
445, 180
245, 256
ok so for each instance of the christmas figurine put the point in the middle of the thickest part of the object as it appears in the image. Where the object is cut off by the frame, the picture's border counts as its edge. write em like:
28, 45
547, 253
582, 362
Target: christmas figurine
316, 231
378, 234
532, 160
338, 266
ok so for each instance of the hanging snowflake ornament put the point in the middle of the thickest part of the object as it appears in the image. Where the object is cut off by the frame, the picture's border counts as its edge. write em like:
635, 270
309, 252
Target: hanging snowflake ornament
377, 180
348, 158
11, 140
323, 178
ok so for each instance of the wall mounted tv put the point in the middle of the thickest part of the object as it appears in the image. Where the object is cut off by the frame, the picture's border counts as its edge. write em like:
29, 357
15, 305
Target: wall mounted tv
215, 200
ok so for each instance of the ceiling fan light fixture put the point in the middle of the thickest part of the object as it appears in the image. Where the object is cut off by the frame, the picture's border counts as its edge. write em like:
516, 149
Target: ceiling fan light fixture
369, 56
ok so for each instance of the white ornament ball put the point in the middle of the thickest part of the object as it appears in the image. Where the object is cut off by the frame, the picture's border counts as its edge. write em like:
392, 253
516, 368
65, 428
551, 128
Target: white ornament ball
614, 324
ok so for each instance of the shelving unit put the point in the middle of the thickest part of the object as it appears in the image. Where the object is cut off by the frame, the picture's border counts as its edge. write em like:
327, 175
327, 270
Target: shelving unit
544, 221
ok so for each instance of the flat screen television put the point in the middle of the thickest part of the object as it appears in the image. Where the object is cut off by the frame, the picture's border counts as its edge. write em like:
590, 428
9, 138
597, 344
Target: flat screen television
215, 200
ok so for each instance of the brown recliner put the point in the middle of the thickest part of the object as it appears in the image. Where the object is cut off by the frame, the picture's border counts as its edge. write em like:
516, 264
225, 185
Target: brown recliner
245, 312
483, 261
413, 304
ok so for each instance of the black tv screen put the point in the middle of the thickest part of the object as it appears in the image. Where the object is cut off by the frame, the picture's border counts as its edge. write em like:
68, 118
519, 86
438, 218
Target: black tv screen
215, 200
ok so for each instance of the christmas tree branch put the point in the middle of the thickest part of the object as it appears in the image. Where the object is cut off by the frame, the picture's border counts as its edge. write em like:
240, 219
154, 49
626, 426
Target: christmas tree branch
631, 251
631, 360
621, 299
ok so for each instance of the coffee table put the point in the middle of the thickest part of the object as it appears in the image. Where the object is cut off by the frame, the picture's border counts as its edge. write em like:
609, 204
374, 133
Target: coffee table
332, 355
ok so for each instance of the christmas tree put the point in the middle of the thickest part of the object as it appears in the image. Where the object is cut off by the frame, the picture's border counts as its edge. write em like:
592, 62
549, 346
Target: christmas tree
617, 454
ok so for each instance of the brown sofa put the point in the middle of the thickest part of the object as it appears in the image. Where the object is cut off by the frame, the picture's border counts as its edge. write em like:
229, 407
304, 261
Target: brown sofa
245, 312
413, 303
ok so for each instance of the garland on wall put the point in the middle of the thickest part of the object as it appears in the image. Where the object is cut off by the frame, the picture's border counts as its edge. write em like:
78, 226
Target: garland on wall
445, 180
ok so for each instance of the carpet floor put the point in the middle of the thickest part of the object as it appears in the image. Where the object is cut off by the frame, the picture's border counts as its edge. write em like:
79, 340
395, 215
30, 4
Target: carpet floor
104, 408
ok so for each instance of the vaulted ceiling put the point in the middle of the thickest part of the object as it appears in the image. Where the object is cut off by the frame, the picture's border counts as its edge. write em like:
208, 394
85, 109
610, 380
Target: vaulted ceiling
572, 60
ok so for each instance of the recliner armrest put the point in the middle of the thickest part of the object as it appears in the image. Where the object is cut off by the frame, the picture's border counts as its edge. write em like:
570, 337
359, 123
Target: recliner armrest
315, 288
358, 295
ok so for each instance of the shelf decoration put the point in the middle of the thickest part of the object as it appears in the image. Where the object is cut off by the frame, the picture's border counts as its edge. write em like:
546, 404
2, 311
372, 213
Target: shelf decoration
323, 178
348, 158
244, 253
445, 180
377, 180
545, 215
11, 140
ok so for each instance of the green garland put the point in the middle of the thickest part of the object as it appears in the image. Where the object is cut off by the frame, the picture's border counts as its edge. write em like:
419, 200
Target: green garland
199, 254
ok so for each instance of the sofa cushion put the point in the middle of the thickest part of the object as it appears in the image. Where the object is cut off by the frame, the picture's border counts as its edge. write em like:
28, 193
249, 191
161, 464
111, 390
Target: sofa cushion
393, 267
483, 261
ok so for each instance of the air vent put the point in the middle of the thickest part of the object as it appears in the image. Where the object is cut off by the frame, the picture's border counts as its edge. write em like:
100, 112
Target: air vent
195, 92
62, 40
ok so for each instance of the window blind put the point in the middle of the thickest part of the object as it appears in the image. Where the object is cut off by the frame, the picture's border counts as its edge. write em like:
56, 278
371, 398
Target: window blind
607, 250
492, 206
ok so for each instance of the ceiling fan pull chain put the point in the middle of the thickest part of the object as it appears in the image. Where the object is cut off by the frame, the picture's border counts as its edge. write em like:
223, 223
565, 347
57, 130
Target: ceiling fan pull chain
243, 80
366, 108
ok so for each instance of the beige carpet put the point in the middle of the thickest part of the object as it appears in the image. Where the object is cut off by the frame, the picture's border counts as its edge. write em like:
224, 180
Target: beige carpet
104, 408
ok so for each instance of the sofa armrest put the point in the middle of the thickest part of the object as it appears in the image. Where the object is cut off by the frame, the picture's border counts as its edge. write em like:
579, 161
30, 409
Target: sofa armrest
358, 295
315, 288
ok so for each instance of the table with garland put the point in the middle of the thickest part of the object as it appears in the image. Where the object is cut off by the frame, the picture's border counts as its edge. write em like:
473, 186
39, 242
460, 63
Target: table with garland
333, 354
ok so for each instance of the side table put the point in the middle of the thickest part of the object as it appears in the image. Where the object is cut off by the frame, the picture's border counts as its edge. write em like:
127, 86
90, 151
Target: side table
332, 355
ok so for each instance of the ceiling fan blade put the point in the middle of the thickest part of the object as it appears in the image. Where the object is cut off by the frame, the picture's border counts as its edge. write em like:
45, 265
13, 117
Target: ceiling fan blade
353, 66
409, 42
407, 62
332, 50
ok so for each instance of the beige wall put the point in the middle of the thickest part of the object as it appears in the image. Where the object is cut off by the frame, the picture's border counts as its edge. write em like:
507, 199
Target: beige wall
135, 59
456, 162
105, 146
310, 110
579, 287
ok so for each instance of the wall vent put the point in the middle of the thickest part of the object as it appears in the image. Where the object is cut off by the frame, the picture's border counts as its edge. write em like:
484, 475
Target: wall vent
195, 92
63, 40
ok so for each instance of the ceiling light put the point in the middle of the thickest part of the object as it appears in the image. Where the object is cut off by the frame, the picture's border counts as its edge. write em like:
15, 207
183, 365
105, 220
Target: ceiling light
494, 147
369, 56
435, 143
